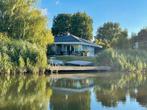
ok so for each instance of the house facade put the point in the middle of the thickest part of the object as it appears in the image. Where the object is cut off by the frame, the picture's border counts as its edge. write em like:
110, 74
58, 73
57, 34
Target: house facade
72, 45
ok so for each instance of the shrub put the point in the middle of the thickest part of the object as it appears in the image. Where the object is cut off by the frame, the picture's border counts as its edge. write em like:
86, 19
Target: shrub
131, 60
18, 55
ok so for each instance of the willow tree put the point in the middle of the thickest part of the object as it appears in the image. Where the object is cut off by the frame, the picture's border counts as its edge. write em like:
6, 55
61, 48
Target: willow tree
24, 36
21, 20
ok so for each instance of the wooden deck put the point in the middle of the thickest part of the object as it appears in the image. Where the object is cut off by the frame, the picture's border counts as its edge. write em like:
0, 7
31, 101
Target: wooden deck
79, 68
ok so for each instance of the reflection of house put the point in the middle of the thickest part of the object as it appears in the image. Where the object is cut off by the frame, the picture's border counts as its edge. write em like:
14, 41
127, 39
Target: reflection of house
73, 85
72, 45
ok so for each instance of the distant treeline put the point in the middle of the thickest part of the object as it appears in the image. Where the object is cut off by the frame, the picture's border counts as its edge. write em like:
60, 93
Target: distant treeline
110, 34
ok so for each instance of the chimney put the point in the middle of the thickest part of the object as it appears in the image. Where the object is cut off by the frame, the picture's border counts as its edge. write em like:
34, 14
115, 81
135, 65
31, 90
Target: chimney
68, 33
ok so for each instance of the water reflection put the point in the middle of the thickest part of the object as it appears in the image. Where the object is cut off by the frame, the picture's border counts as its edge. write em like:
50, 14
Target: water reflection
110, 98
140, 94
104, 92
24, 93
71, 94
73, 101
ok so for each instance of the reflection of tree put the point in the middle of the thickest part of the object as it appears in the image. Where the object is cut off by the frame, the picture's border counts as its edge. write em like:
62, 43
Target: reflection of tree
106, 94
110, 98
140, 95
75, 101
110, 93
24, 93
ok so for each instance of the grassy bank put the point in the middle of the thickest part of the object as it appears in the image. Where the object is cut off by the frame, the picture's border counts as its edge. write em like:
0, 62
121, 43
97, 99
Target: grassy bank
70, 58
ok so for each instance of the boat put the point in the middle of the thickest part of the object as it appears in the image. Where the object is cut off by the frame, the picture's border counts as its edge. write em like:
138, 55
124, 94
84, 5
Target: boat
79, 63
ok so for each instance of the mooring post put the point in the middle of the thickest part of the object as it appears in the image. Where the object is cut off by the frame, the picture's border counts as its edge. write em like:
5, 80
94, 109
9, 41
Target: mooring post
51, 71
56, 69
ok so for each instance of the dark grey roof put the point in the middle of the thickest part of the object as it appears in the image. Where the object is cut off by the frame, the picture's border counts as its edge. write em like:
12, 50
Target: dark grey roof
71, 38
66, 38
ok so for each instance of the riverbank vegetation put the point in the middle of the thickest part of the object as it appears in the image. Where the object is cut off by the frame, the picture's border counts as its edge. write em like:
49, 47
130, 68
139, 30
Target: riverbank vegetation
20, 56
120, 52
124, 59
24, 36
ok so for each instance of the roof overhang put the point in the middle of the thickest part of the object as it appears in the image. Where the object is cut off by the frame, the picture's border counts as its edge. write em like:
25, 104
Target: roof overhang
78, 43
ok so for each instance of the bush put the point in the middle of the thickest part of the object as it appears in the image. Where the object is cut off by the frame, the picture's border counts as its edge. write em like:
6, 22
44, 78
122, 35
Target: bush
24, 35
130, 60
20, 56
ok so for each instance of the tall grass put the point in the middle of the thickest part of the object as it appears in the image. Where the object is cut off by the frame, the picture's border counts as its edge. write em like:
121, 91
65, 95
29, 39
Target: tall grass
120, 60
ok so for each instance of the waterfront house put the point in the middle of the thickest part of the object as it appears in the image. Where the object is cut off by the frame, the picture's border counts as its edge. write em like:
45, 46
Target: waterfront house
72, 45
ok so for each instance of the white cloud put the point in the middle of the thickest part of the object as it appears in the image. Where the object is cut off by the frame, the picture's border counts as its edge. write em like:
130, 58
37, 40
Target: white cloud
57, 2
44, 11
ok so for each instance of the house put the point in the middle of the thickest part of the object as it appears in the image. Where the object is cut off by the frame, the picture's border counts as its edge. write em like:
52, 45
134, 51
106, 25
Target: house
72, 45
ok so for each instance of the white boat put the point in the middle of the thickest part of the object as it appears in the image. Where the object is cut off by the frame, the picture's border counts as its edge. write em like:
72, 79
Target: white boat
54, 61
79, 63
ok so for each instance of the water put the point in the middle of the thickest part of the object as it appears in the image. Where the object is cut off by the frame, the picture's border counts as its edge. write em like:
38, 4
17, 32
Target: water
102, 92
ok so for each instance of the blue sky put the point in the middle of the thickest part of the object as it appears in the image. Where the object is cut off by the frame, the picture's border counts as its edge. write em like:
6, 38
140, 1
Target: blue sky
131, 14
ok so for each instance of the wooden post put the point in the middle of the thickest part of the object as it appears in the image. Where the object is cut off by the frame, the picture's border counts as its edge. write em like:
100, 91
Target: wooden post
70, 49
55, 49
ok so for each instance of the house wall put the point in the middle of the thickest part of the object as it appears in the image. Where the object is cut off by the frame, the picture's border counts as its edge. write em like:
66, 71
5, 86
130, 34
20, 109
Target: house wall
58, 49
90, 50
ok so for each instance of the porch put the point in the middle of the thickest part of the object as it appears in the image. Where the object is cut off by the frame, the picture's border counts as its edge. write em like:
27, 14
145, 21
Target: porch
68, 49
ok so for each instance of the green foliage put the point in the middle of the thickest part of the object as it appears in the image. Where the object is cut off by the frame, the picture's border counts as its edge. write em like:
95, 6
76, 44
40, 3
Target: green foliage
21, 62
122, 42
107, 58
130, 60
113, 34
79, 24
16, 55
24, 35
21, 20
61, 24
103, 43
82, 25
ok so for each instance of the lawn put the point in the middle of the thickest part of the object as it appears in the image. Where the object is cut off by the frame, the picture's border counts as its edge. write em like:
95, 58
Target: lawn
70, 58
